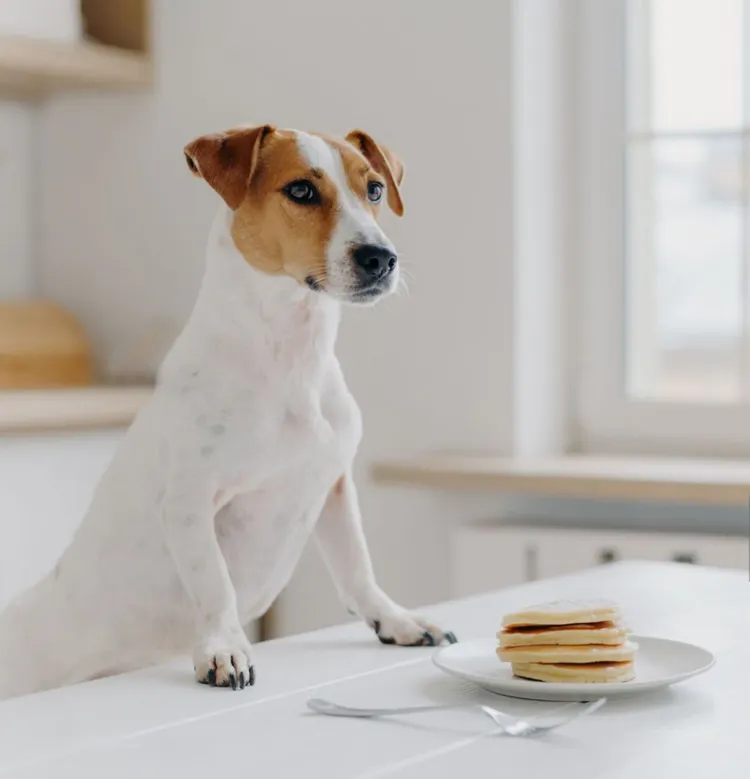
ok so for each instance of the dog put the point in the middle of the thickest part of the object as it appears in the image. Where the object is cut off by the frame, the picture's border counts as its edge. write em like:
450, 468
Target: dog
245, 449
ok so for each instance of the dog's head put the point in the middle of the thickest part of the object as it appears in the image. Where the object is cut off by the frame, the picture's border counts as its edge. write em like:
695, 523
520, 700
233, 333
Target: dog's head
306, 205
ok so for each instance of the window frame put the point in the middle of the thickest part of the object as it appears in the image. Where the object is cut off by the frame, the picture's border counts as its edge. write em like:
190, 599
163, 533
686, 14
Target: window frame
606, 419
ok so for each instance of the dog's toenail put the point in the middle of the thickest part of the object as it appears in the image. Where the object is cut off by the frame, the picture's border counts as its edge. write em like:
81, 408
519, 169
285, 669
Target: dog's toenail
251, 676
212, 677
233, 681
428, 639
450, 637
376, 626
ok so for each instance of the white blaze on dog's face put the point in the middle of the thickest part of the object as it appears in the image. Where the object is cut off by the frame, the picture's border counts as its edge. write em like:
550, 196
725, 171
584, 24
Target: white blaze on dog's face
306, 205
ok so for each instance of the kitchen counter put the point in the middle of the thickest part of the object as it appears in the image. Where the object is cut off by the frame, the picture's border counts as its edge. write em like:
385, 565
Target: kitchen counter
720, 483
158, 722
70, 409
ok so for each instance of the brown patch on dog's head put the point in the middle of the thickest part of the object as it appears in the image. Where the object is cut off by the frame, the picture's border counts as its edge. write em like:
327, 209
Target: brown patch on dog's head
305, 204
385, 162
227, 161
276, 234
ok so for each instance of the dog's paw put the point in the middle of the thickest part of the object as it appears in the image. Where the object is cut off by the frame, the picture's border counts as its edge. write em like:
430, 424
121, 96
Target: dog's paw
225, 661
405, 629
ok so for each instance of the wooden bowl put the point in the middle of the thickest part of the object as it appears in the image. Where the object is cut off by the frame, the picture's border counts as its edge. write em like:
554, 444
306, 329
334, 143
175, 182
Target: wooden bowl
42, 346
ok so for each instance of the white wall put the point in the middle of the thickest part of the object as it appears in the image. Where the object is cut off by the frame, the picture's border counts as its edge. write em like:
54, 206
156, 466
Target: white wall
17, 132
124, 224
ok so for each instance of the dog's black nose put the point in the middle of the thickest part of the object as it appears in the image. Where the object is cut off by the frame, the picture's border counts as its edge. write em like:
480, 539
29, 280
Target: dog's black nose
373, 262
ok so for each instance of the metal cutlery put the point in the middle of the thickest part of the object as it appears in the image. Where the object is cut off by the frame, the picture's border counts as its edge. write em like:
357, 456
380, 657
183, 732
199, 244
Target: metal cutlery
508, 724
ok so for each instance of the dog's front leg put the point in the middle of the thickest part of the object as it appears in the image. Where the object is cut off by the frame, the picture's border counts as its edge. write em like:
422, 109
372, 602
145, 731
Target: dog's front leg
344, 548
221, 655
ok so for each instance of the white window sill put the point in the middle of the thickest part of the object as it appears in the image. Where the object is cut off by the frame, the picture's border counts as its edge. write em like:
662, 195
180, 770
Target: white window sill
666, 480
70, 409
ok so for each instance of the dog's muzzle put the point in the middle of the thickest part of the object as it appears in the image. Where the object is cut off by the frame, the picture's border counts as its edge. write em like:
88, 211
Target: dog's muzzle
374, 266
373, 263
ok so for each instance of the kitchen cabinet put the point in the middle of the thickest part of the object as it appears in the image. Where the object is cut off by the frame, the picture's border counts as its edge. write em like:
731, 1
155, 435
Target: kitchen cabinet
46, 483
489, 557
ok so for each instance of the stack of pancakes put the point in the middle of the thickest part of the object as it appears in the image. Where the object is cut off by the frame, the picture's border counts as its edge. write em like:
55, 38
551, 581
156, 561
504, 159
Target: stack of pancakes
568, 641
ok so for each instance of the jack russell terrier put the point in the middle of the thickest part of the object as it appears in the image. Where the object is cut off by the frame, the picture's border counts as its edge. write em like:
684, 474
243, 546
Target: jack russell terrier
246, 447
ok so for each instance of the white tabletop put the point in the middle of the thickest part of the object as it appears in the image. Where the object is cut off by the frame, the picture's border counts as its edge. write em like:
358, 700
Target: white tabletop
158, 723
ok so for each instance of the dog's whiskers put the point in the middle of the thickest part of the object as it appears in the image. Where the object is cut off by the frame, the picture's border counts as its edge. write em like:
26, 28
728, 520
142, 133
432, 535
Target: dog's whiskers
402, 290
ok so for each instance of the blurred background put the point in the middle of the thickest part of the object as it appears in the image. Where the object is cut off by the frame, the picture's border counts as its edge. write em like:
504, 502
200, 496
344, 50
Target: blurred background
567, 382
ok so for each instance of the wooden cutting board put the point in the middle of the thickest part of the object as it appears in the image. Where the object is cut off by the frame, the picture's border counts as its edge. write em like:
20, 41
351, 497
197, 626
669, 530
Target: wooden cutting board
42, 346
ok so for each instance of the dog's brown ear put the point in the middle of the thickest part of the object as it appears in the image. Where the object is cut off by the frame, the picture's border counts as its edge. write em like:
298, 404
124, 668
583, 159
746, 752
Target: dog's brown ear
227, 161
386, 163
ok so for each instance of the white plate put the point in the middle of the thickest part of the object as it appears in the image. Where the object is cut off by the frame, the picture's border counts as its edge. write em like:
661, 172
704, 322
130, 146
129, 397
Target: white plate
659, 662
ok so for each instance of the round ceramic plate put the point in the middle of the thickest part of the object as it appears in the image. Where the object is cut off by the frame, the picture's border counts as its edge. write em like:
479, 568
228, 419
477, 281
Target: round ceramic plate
659, 662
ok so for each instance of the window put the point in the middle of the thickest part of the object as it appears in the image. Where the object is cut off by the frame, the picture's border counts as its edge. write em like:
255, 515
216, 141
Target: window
685, 208
664, 222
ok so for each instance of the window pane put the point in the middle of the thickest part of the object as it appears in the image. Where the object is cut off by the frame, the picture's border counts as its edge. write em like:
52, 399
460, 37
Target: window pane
686, 64
684, 232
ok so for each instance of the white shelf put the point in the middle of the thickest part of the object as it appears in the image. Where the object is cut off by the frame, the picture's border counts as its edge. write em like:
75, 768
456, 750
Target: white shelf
668, 480
70, 409
32, 68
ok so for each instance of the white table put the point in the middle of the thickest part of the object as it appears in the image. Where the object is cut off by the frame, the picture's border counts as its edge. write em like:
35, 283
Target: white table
158, 723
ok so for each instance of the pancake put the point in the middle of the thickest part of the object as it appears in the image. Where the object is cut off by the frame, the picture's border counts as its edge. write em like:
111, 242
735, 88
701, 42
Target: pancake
564, 612
592, 633
565, 673
589, 653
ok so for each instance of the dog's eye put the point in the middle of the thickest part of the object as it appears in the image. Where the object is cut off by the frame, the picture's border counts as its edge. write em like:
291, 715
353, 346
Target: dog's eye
374, 191
302, 191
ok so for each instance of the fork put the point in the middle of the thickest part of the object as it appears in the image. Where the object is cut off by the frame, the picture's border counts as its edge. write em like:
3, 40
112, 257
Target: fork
512, 726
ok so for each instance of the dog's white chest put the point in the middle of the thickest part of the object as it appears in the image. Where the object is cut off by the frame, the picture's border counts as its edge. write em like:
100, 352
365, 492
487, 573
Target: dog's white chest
263, 526
256, 437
